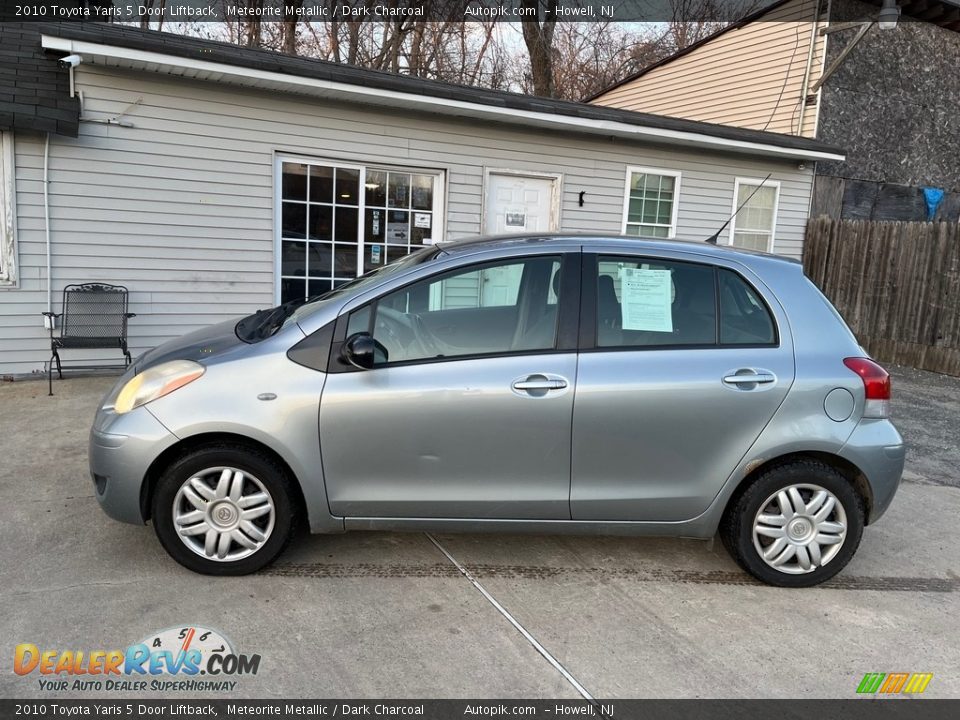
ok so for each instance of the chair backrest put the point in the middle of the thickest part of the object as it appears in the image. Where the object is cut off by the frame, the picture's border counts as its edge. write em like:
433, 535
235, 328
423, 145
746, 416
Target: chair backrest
94, 310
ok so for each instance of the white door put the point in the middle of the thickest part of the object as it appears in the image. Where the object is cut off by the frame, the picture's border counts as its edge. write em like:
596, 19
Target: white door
519, 204
515, 204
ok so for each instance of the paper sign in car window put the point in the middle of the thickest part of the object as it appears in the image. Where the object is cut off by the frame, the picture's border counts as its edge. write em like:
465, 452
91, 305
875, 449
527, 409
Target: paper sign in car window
646, 299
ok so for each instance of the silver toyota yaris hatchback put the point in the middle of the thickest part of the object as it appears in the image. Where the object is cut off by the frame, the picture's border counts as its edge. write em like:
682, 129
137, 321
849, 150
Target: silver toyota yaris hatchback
534, 384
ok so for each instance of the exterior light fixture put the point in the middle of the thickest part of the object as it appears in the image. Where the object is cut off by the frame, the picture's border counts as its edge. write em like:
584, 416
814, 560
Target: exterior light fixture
889, 14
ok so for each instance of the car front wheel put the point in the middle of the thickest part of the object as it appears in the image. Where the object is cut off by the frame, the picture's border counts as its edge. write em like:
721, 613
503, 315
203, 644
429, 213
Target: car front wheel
224, 510
797, 525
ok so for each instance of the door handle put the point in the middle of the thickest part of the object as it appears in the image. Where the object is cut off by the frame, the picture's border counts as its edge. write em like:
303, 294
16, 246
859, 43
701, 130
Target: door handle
539, 383
750, 378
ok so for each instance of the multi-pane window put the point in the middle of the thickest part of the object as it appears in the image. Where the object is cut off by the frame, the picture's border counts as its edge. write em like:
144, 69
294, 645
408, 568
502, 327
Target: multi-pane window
398, 214
753, 227
318, 228
651, 203
340, 221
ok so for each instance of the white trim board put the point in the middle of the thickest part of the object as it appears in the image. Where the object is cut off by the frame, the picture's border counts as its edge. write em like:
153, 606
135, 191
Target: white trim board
110, 55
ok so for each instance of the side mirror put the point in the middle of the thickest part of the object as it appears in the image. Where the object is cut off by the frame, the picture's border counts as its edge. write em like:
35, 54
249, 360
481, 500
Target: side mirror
359, 350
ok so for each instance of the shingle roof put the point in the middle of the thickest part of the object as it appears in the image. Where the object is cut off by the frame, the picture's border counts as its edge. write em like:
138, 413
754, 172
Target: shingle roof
34, 91
225, 53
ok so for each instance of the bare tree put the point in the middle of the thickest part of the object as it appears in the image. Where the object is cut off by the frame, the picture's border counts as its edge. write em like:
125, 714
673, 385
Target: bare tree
289, 26
538, 37
589, 57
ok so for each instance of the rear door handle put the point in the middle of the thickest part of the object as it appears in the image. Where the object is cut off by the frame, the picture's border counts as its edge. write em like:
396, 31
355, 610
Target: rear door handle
750, 377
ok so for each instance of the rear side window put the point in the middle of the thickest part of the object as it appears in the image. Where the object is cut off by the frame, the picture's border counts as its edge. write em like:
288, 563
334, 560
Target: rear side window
648, 302
644, 302
744, 317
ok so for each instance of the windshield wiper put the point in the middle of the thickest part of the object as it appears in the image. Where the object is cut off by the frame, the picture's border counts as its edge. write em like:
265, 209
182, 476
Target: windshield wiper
264, 323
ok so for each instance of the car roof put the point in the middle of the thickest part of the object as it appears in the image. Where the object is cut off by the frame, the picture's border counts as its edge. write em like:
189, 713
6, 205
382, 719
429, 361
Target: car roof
606, 241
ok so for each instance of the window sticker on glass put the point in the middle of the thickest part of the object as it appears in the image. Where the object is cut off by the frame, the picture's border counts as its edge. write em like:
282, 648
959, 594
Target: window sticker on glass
646, 299
375, 254
421, 220
516, 219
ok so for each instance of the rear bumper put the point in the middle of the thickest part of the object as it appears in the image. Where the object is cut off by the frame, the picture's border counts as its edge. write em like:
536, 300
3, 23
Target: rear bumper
878, 450
121, 450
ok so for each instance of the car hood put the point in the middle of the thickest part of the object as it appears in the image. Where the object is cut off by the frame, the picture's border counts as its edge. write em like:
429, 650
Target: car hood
200, 345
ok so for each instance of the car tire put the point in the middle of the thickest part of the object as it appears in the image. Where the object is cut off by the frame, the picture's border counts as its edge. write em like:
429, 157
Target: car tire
199, 494
778, 514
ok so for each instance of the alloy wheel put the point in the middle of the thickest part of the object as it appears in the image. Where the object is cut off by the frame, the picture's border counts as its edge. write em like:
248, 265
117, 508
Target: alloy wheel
799, 529
223, 514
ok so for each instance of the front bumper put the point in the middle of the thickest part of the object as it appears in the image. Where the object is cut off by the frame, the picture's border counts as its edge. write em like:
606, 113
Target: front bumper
878, 450
122, 448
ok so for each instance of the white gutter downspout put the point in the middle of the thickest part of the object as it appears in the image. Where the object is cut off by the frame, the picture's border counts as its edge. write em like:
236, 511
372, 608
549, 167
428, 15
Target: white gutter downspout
46, 225
806, 73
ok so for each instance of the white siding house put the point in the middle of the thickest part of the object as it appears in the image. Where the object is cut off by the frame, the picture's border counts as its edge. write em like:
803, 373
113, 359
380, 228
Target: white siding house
208, 187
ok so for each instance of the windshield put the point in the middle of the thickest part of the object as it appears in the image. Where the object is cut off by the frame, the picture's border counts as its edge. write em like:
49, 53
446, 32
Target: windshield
264, 323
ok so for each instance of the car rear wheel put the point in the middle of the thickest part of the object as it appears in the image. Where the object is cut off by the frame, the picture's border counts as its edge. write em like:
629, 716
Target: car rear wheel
796, 525
224, 510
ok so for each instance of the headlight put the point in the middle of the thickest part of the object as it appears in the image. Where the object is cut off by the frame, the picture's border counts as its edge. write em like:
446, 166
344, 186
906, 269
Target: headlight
156, 382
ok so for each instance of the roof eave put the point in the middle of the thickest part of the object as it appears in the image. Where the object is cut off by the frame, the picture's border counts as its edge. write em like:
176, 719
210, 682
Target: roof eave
118, 56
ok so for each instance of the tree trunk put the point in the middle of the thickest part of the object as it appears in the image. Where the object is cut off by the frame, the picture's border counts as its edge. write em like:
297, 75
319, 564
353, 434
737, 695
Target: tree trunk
289, 28
538, 37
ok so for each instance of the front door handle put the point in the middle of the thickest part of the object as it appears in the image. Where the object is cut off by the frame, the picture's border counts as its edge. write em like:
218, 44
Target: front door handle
539, 384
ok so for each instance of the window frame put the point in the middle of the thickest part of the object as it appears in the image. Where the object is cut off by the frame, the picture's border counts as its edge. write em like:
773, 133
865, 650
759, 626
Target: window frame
439, 216
8, 210
677, 175
568, 312
589, 327
754, 183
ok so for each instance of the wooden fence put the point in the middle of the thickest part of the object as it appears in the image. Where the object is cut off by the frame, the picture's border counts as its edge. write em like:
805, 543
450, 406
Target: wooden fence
897, 284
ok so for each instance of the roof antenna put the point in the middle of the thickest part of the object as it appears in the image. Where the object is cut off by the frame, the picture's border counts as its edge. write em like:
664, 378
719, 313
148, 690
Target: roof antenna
713, 238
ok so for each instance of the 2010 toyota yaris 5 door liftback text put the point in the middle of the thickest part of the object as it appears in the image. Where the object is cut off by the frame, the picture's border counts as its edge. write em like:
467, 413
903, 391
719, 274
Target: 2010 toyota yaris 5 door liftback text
545, 384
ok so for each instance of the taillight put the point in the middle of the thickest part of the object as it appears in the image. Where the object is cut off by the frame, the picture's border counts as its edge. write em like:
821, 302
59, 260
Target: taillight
876, 386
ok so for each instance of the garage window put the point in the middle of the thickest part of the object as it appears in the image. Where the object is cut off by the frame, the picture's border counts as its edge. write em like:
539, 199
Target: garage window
337, 221
753, 227
650, 204
8, 255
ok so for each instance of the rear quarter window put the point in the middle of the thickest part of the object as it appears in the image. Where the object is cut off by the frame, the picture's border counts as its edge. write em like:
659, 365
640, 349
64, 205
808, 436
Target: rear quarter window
745, 318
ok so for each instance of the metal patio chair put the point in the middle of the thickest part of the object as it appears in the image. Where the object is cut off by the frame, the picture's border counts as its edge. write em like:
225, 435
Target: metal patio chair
94, 317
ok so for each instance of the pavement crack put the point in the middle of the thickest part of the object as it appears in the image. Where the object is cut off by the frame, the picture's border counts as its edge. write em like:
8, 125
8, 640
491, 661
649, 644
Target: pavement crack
885, 583
513, 621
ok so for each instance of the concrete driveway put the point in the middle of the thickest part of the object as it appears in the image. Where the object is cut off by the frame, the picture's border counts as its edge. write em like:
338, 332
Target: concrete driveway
391, 615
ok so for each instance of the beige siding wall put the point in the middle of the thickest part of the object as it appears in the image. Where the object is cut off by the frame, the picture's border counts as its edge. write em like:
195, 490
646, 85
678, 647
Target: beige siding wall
738, 78
180, 207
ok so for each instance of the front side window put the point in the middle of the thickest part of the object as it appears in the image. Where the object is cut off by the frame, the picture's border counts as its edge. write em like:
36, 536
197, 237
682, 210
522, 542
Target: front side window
339, 221
651, 203
753, 227
503, 307
8, 268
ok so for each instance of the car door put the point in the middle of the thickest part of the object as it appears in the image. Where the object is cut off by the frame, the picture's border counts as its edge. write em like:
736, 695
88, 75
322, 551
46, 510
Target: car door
468, 408
682, 365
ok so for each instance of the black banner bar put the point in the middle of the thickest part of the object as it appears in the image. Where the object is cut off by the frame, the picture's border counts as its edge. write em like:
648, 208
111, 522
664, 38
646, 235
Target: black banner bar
866, 708
192, 11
